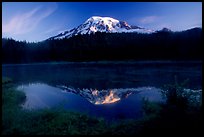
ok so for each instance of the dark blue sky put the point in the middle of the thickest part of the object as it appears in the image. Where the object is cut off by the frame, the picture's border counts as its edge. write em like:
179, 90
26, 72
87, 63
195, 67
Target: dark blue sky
36, 21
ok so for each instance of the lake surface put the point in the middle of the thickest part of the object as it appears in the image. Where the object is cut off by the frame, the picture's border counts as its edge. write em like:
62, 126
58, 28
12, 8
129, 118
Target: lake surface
42, 84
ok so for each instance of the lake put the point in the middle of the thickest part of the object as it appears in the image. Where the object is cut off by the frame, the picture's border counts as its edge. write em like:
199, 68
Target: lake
113, 90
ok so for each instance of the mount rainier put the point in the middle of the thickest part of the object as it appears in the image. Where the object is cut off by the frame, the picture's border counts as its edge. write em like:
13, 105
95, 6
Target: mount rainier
101, 24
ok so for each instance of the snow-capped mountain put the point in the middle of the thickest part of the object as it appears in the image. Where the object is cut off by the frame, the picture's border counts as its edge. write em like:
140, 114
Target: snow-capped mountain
101, 24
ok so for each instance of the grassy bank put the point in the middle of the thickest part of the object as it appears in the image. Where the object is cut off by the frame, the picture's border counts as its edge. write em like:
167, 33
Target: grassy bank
16, 121
176, 115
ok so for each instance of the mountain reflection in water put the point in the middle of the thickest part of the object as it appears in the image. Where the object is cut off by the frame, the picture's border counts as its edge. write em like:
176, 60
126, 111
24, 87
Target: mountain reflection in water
40, 95
105, 96
110, 104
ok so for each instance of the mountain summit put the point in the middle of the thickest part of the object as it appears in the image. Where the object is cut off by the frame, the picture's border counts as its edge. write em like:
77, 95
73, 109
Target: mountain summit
101, 24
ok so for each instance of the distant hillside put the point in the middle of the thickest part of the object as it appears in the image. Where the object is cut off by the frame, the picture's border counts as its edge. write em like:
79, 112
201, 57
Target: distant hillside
160, 45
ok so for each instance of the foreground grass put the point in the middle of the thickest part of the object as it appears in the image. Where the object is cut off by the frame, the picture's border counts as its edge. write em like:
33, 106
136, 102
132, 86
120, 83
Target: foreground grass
158, 118
16, 120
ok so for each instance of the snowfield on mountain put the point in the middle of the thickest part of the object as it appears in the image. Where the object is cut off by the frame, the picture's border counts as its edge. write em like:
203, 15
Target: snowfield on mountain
101, 24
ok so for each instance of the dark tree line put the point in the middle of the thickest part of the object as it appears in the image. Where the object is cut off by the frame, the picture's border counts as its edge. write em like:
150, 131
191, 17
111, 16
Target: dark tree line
162, 45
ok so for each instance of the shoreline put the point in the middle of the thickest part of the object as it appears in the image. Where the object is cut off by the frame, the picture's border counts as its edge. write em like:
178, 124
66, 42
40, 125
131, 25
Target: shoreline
108, 62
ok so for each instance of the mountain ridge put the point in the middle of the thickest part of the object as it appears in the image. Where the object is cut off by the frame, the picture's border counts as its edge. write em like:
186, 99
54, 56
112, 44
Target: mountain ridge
101, 24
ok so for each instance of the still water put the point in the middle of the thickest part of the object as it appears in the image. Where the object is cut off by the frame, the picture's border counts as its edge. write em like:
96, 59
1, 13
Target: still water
43, 84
